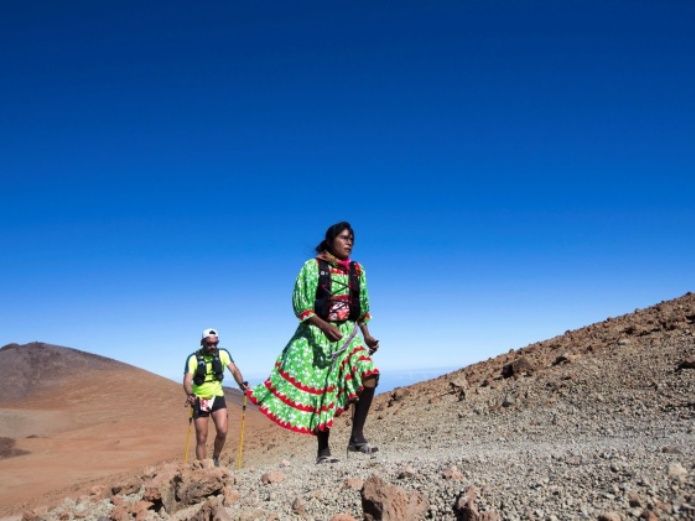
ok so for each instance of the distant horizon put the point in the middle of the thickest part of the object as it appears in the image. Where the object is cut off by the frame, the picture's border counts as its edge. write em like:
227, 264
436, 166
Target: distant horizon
391, 378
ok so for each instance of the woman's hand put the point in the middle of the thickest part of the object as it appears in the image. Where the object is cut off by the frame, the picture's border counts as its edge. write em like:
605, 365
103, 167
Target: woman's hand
372, 343
332, 332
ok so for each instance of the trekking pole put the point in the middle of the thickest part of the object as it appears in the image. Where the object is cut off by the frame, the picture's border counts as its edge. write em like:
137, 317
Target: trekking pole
240, 449
188, 438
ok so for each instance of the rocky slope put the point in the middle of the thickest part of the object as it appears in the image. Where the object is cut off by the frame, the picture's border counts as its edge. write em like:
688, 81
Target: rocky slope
598, 423
68, 418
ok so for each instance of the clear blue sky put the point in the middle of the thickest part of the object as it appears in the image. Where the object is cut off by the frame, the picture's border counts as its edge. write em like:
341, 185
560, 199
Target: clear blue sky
512, 170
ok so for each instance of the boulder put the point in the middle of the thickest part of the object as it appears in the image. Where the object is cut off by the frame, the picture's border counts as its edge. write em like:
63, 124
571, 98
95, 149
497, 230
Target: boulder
212, 510
382, 501
518, 367
160, 487
191, 487
466, 508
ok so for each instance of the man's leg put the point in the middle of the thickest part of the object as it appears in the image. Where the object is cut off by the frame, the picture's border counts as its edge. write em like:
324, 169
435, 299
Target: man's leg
201, 436
220, 418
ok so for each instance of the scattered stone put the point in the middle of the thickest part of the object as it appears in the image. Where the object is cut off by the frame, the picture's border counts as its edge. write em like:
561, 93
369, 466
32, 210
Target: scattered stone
30, 515
99, 491
407, 472
687, 363
453, 473
382, 501
508, 400
140, 509
518, 367
342, 517
299, 506
677, 471
271, 477
671, 450
398, 395
128, 487
623, 342
230, 495
466, 508
353, 483
118, 501
459, 386
120, 513
649, 515
212, 510
634, 499
257, 515
610, 516
564, 358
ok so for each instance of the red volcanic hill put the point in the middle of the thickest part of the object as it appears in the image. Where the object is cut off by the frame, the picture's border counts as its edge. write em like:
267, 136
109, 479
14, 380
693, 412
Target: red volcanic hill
68, 417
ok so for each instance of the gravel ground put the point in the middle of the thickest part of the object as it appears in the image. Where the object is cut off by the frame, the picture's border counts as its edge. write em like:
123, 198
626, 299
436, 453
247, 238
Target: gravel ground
596, 422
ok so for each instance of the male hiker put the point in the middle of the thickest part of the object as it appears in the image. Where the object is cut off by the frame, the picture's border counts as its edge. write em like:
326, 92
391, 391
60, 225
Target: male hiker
202, 383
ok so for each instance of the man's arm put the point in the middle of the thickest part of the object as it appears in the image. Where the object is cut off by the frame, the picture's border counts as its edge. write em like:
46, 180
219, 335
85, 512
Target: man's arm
188, 388
237, 376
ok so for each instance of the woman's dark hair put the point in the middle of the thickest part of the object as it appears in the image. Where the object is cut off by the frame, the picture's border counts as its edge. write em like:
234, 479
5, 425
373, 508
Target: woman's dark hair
332, 232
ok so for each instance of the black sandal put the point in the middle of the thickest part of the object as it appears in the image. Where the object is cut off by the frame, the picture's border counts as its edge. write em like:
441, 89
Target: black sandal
363, 447
326, 458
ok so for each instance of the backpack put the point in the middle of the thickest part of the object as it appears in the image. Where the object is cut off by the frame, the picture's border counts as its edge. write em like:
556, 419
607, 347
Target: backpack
324, 295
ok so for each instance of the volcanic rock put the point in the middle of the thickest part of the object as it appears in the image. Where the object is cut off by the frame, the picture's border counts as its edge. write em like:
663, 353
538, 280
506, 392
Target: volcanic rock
518, 367
382, 501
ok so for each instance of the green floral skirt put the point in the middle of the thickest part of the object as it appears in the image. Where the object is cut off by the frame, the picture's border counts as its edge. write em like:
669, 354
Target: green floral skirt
314, 379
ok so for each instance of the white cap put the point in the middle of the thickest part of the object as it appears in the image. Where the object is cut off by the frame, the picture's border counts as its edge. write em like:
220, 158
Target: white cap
211, 331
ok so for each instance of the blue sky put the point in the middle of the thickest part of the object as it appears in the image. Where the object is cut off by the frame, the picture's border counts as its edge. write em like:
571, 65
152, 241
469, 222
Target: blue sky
512, 170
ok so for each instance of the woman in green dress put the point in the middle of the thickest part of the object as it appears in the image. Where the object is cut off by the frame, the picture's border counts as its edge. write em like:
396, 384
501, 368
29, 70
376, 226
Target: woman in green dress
327, 364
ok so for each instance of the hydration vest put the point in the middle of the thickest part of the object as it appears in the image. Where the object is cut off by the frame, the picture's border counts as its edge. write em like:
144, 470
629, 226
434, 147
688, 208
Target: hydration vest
324, 295
201, 373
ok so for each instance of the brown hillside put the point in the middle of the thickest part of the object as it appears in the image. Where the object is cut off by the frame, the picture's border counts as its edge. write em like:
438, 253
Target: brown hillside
37, 366
68, 417
598, 423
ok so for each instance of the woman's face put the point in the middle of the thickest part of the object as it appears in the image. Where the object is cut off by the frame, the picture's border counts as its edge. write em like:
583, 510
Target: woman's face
342, 244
